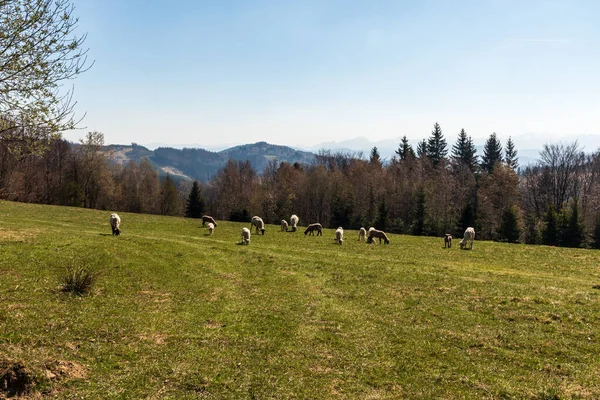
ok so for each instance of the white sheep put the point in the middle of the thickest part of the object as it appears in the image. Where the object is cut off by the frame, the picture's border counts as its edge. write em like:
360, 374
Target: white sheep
374, 233
362, 234
259, 224
314, 227
468, 238
294, 221
115, 222
284, 225
208, 218
339, 235
211, 228
245, 235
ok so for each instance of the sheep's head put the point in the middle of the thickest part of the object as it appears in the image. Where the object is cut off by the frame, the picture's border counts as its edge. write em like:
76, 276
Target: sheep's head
262, 231
462, 244
386, 241
117, 231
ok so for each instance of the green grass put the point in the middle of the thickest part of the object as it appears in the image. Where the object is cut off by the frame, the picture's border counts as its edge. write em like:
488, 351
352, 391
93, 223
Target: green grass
182, 315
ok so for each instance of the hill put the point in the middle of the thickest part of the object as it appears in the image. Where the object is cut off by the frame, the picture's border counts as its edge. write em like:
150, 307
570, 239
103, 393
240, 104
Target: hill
176, 313
202, 165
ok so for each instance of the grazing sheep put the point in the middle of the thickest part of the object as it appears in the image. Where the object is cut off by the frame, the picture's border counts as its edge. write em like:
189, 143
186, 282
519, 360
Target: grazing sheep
448, 240
208, 218
362, 234
284, 225
211, 228
294, 222
339, 235
259, 224
374, 233
245, 236
314, 227
115, 222
468, 238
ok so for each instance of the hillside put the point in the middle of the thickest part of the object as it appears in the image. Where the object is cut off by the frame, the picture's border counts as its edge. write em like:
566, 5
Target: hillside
178, 314
202, 165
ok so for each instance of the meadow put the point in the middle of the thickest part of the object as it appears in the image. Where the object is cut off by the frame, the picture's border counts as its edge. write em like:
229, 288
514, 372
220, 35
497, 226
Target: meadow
178, 314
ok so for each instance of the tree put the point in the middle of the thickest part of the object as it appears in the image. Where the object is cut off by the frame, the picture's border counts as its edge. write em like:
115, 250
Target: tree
492, 153
510, 156
375, 158
550, 233
509, 225
464, 151
405, 150
169, 197
195, 203
572, 229
436, 148
39, 52
418, 226
422, 149
596, 237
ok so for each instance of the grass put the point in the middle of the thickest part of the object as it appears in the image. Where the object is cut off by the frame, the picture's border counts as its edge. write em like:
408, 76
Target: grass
178, 314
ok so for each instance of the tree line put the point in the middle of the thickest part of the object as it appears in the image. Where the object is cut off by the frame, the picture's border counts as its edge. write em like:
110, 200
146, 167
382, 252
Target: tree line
428, 190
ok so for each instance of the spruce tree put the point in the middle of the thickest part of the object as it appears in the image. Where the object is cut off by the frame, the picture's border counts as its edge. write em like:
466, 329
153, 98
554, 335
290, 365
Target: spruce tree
509, 225
169, 196
422, 149
574, 233
436, 148
550, 233
382, 216
375, 158
195, 203
405, 150
492, 153
510, 157
464, 151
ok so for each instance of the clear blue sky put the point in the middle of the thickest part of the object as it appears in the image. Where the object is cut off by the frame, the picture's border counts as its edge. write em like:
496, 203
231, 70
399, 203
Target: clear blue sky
304, 72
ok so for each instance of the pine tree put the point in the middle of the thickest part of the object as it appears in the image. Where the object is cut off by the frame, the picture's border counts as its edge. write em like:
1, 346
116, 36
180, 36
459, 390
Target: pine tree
405, 150
169, 197
195, 203
436, 148
464, 151
509, 225
492, 153
510, 158
382, 216
550, 233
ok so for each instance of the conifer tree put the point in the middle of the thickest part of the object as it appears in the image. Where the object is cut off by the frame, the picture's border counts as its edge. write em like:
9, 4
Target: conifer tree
436, 148
550, 233
418, 226
422, 149
509, 225
405, 150
596, 238
169, 197
375, 158
572, 232
492, 153
510, 157
195, 203
464, 151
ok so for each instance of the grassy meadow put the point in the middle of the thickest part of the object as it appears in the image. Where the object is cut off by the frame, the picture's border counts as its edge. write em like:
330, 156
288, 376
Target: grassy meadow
178, 314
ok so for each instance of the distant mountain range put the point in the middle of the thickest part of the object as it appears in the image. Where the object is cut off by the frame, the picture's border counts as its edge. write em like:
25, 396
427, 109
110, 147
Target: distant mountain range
203, 165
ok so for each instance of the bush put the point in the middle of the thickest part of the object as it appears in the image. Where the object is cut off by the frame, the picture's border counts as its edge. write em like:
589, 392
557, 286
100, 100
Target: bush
78, 279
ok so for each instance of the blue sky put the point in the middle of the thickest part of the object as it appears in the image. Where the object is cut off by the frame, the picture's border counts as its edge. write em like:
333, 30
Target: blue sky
305, 72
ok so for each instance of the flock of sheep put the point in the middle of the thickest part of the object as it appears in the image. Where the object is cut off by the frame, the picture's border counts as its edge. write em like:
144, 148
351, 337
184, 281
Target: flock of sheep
259, 225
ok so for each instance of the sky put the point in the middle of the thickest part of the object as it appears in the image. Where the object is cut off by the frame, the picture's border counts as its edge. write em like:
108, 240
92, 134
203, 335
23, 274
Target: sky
299, 73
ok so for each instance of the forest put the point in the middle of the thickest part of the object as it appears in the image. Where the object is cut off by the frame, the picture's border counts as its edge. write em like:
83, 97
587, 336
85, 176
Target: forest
430, 189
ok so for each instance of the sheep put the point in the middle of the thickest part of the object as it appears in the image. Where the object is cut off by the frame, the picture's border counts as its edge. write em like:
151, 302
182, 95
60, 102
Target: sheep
362, 234
115, 222
468, 238
448, 240
314, 227
259, 224
339, 235
284, 225
211, 228
294, 222
208, 218
374, 233
245, 235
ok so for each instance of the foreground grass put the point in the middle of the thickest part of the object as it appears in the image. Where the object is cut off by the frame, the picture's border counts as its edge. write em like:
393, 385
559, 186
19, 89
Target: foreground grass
182, 315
